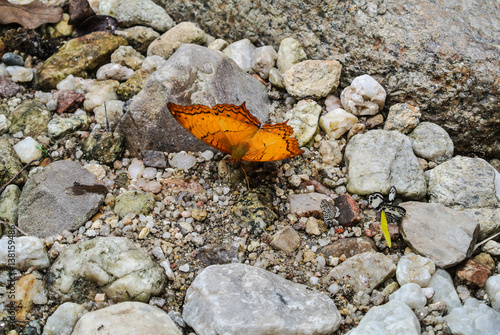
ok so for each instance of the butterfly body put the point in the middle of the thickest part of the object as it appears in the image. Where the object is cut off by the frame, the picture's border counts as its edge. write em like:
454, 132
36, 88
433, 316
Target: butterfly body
234, 130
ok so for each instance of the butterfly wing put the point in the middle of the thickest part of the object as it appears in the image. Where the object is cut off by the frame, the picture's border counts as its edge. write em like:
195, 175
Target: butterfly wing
375, 199
394, 213
385, 228
272, 142
330, 212
392, 194
222, 126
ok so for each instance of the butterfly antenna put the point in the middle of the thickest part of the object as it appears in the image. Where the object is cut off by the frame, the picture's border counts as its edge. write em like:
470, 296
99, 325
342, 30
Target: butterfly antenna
246, 176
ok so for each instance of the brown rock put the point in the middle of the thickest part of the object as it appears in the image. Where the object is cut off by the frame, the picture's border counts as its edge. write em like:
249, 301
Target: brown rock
79, 57
349, 247
349, 210
306, 204
473, 272
26, 288
486, 260
315, 226
286, 239
68, 101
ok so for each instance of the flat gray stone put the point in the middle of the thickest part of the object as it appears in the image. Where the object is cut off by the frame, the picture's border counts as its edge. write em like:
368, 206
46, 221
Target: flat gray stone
463, 182
306, 204
380, 159
47, 208
364, 272
114, 265
488, 218
437, 232
393, 318
243, 299
210, 78
127, 318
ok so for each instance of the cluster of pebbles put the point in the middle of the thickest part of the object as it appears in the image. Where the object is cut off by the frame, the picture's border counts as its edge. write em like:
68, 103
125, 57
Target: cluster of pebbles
178, 243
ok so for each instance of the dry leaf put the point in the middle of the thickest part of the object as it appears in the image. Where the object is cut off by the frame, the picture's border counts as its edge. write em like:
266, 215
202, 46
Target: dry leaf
29, 16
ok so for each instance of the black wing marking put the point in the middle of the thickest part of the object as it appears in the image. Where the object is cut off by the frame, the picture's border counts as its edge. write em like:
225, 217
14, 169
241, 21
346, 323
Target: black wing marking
375, 199
393, 213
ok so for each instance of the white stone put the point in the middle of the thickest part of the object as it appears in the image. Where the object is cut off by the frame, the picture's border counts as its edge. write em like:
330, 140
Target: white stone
337, 122
96, 169
411, 294
380, 159
152, 63
393, 318
276, 78
331, 153
20, 74
242, 53
27, 151
114, 71
312, 78
77, 84
492, 288
127, 318
242, 299
100, 92
149, 173
207, 155
4, 123
303, 118
29, 252
135, 169
62, 321
365, 96
289, 53
114, 110
473, 318
416, 269
182, 161
492, 247
431, 142
143, 13
263, 60
113, 265
444, 289
332, 102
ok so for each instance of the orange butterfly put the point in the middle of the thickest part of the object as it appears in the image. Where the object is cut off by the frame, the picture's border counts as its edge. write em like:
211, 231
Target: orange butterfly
233, 130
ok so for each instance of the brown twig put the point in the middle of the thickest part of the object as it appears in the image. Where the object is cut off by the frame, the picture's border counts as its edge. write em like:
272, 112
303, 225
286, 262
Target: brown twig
8, 224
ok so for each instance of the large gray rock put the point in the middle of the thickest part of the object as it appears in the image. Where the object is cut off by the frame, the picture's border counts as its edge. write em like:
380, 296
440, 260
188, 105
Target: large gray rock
474, 317
488, 218
115, 265
444, 289
192, 75
393, 318
425, 51
380, 159
127, 318
242, 299
47, 207
364, 272
437, 232
464, 182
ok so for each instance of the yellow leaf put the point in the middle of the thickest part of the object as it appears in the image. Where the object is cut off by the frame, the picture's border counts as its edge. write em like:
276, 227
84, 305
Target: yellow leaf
385, 228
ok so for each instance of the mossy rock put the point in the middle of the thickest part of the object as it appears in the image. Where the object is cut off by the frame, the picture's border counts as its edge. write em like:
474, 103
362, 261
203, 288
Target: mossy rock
31, 117
103, 147
137, 202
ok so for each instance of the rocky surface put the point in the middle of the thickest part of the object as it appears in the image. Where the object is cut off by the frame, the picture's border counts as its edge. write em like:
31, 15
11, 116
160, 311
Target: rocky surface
425, 53
167, 212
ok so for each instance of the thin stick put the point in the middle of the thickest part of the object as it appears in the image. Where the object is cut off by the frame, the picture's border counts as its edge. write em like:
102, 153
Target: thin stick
13, 225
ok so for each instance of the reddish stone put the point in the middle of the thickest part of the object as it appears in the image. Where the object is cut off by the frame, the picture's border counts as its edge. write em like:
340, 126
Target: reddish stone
349, 210
349, 247
393, 230
68, 101
473, 272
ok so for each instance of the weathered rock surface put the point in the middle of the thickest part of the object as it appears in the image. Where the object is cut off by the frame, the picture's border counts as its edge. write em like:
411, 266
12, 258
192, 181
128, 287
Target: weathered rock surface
209, 77
243, 299
30, 252
438, 232
47, 208
474, 317
62, 321
444, 289
127, 318
115, 265
380, 159
423, 52
431, 142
